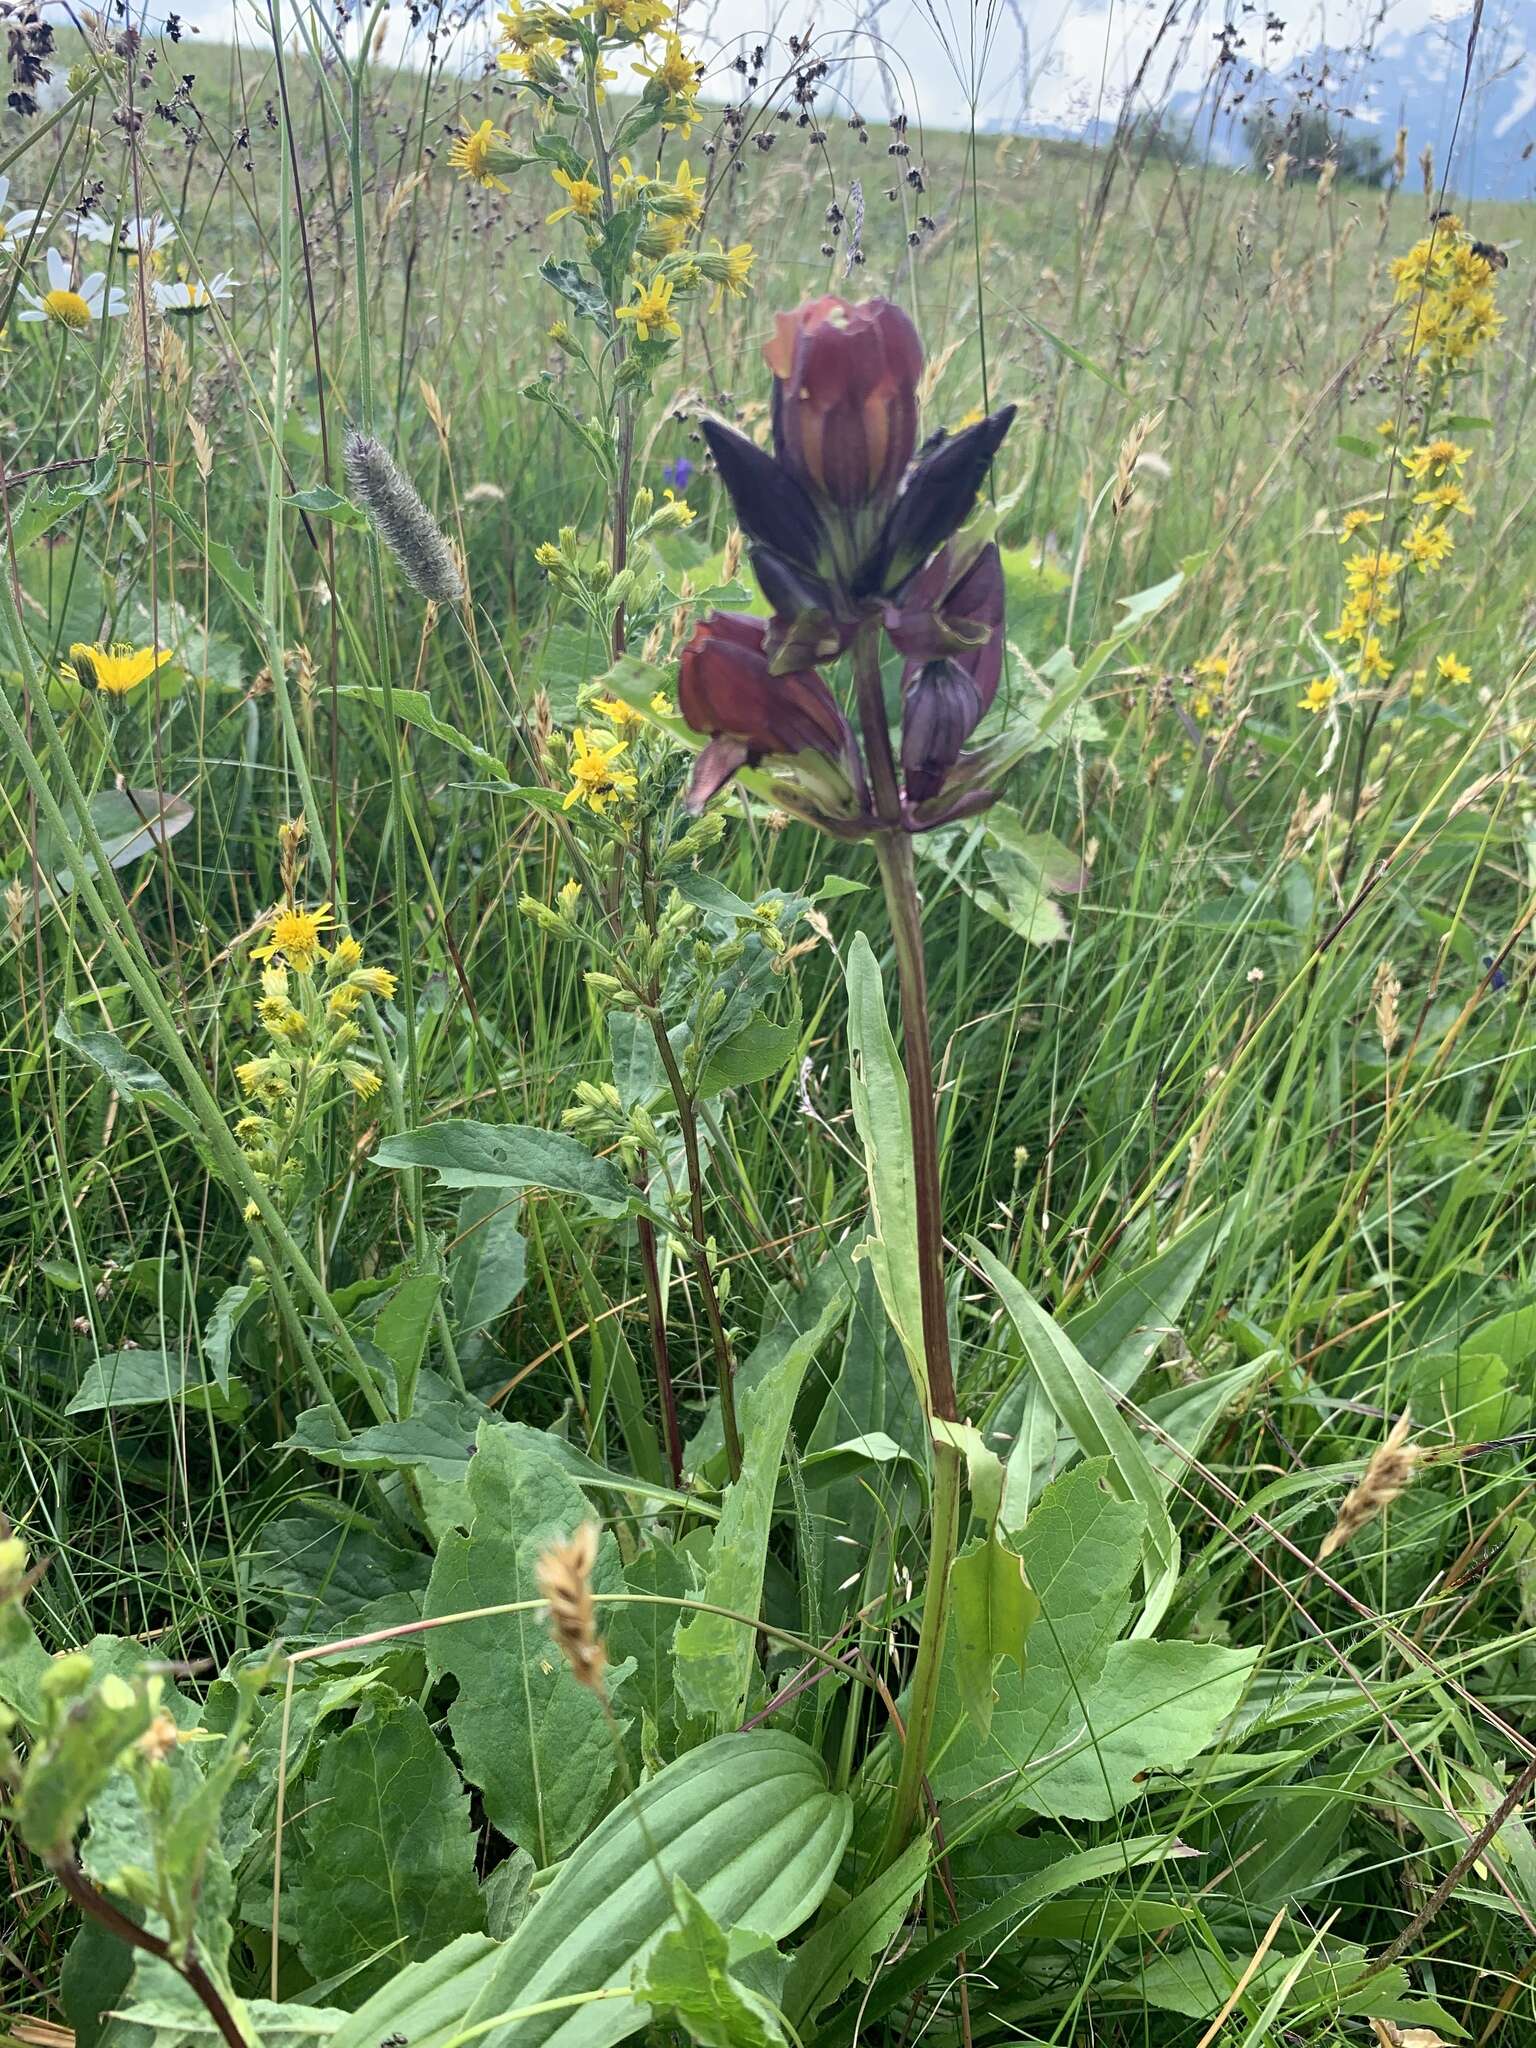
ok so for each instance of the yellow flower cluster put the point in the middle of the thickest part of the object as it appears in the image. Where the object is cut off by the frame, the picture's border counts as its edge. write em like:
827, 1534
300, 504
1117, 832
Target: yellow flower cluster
313, 1034
1446, 284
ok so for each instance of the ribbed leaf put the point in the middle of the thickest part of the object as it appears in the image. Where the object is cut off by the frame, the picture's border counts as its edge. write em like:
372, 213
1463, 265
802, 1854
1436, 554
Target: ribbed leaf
746, 1822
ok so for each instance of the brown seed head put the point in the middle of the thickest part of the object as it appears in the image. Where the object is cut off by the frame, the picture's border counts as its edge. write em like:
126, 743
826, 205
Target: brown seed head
1389, 1474
564, 1576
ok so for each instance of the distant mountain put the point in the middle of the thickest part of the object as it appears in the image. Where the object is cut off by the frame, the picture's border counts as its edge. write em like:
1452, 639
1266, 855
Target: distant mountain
1406, 78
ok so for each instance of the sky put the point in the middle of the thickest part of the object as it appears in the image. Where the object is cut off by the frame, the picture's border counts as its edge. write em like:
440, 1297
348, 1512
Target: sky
1036, 60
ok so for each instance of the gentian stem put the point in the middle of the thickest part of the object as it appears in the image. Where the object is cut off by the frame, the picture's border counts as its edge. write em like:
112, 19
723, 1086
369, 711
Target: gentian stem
898, 874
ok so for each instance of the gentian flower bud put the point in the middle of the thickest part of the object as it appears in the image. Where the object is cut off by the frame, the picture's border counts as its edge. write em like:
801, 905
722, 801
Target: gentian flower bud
726, 689
950, 627
845, 398
772, 507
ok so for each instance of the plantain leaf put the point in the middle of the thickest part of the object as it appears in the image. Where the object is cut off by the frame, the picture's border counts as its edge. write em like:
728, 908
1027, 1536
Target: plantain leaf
845, 1949
993, 1611
746, 1822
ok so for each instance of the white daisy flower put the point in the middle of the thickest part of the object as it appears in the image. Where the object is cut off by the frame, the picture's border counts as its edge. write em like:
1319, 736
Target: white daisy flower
71, 308
195, 295
136, 235
14, 228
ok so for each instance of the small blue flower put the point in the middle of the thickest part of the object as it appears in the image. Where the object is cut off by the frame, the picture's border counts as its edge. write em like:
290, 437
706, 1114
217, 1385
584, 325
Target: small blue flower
677, 475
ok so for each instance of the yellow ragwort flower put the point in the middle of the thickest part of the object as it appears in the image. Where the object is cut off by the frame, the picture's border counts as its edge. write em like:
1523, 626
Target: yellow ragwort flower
595, 781
470, 155
651, 310
616, 711
1354, 520
297, 935
584, 198
1446, 498
1428, 545
113, 670
1452, 670
1319, 695
1436, 459
1371, 664
1214, 667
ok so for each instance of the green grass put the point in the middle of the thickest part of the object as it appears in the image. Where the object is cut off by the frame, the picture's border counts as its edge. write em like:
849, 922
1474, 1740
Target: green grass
1202, 1035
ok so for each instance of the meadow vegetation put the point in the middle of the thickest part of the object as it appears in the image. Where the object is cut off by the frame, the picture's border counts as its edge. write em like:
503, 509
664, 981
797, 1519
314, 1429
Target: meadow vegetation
771, 1330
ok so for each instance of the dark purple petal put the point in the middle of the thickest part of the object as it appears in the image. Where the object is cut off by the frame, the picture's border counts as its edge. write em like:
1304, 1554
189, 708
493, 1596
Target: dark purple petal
940, 712
772, 508
714, 768
936, 500
725, 688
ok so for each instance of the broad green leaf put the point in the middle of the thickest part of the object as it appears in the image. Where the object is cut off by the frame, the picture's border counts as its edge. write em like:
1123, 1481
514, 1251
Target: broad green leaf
425, 2001
415, 708
161, 2005
47, 503
471, 1155
219, 1333
489, 1261
715, 1656
327, 504
1088, 1408
758, 1051
579, 291
845, 1949
992, 1612
1465, 1395
234, 576
324, 1572
389, 1865
746, 1822
131, 1077
140, 1379
687, 1980
93, 1982
883, 1119
645, 1634
507, 1895
898, 1984
402, 1327
536, 1743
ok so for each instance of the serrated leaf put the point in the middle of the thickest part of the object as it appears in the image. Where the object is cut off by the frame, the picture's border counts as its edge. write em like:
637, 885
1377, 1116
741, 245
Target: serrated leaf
327, 504
389, 1866
142, 1379
687, 1979
992, 1612
536, 1743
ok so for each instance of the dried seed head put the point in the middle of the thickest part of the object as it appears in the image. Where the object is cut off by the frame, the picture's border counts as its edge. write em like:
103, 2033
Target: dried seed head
202, 446
290, 852
1128, 459
1389, 1474
402, 521
564, 1576
1385, 990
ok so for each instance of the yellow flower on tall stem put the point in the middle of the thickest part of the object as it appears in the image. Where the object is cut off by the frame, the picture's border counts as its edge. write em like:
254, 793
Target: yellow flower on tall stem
298, 935
1450, 669
584, 200
651, 310
114, 670
471, 155
595, 781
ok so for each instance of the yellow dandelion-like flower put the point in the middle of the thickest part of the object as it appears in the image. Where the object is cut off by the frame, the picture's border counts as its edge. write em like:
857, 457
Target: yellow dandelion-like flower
1436, 459
1450, 669
662, 705
595, 781
471, 155
651, 310
1319, 695
113, 670
1372, 567
297, 935
1214, 667
584, 199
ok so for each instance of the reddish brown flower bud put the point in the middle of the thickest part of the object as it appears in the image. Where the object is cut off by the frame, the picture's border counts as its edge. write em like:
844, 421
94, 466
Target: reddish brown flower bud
845, 398
950, 627
726, 689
